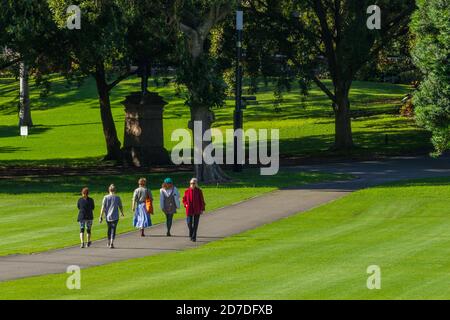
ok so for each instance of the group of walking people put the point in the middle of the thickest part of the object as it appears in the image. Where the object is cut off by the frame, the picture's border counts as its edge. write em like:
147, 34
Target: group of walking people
142, 206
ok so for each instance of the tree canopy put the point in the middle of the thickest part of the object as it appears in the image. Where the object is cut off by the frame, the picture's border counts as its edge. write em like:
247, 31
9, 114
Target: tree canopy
431, 27
305, 41
114, 36
306, 37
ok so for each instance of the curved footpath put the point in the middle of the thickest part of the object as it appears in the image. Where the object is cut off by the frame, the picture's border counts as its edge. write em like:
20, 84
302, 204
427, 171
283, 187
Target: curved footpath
230, 220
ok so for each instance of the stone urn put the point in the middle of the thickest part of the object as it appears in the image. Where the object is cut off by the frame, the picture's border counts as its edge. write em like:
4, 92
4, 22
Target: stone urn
144, 135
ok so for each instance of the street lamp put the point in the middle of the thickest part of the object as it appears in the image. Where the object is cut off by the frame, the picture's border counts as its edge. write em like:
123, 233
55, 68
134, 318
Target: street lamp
238, 116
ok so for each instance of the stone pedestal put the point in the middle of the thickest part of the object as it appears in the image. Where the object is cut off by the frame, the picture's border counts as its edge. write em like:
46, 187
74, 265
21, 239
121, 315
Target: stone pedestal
144, 135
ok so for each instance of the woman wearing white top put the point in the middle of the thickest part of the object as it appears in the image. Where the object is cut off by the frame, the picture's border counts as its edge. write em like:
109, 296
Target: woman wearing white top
169, 202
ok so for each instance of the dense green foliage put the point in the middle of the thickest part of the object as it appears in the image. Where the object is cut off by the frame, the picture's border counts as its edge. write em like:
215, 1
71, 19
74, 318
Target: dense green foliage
28, 32
432, 55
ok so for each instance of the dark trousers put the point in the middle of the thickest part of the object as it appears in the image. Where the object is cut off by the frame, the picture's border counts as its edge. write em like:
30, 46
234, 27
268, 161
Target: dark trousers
192, 222
112, 226
169, 221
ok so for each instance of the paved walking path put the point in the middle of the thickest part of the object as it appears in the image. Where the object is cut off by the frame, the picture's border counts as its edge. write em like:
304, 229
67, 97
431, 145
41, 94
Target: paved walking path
230, 220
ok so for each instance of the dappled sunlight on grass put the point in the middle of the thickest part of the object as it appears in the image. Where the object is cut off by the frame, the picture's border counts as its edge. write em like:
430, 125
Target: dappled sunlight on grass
69, 126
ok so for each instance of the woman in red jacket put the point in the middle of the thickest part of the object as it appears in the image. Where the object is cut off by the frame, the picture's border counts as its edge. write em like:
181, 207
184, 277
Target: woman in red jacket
195, 206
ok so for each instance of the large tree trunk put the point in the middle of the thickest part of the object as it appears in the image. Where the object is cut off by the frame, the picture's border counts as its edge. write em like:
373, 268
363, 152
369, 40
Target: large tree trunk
24, 101
206, 173
343, 127
109, 127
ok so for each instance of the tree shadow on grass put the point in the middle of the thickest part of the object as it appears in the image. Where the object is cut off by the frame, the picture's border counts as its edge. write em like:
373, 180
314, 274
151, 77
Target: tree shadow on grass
398, 141
56, 163
250, 178
9, 149
426, 182
306, 146
351, 185
394, 141
73, 184
8, 91
176, 111
268, 113
61, 95
14, 131
395, 124
75, 124
367, 100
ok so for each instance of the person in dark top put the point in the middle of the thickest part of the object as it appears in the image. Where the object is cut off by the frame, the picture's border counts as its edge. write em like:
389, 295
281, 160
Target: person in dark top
86, 208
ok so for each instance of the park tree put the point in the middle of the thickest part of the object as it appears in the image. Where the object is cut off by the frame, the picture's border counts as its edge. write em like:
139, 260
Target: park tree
198, 70
349, 38
150, 37
27, 42
343, 35
114, 35
393, 64
96, 49
432, 55
269, 36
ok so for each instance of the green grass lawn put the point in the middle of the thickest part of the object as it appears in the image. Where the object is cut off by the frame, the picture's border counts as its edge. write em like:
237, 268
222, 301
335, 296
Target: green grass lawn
68, 127
39, 214
321, 254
